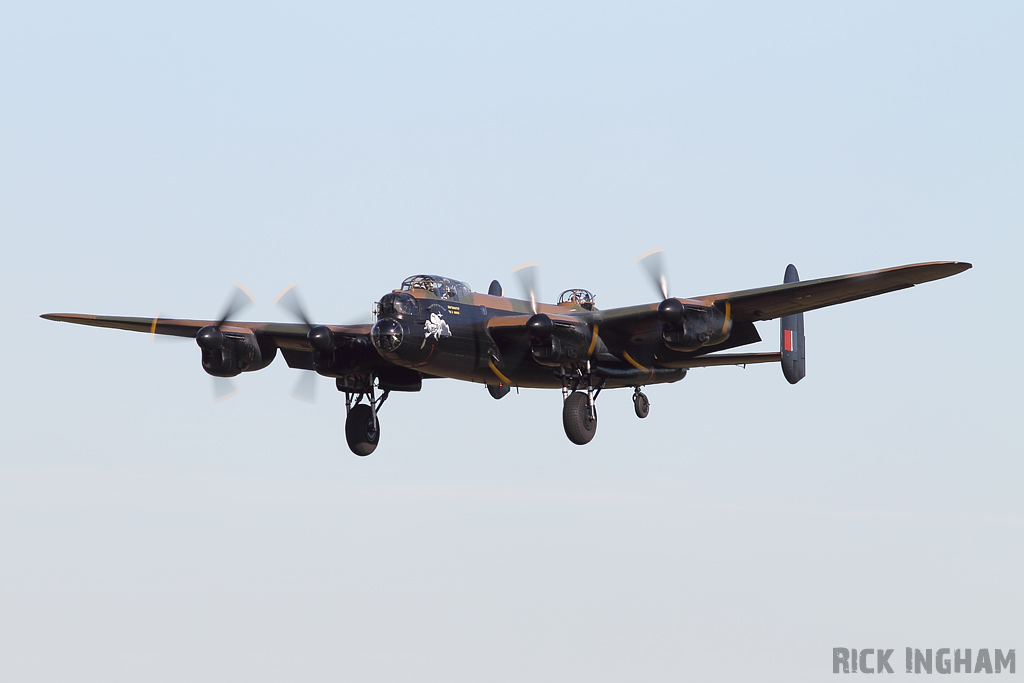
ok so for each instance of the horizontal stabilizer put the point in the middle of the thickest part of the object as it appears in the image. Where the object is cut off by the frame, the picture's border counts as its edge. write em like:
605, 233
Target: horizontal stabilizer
715, 359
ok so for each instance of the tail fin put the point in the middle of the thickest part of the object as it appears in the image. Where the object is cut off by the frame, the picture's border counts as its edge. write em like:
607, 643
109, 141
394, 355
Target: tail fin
794, 362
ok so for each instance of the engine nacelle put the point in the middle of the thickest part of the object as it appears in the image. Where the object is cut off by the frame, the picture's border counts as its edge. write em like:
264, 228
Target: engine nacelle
334, 355
226, 354
688, 328
556, 342
321, 338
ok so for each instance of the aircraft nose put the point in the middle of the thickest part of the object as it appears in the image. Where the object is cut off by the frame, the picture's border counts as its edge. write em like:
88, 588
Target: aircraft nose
387, 335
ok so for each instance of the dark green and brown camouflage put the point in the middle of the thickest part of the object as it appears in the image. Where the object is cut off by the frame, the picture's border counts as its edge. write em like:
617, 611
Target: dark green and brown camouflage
485, 338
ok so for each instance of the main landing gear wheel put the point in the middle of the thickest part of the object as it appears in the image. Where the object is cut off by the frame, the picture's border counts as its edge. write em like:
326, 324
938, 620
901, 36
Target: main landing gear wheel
580, 427
361, 430
640, 404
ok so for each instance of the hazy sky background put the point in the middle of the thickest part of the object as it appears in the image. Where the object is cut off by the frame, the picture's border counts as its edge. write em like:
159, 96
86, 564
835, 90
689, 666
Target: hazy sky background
150, 157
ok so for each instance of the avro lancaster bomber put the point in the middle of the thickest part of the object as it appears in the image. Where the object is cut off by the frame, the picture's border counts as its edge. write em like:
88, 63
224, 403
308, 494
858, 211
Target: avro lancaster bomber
435, 327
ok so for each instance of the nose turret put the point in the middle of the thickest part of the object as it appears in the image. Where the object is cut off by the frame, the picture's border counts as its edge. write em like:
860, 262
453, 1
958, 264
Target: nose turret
387, 335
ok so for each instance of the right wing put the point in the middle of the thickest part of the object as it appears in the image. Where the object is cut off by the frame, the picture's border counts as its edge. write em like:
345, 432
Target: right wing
289, 337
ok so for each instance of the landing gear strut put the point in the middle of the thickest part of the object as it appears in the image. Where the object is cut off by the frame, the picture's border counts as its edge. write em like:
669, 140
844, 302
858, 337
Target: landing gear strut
640, 403
579, 408
362, 429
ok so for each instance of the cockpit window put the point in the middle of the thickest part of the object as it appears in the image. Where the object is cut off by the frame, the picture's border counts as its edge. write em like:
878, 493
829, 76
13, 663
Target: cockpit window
577, 297
440, 287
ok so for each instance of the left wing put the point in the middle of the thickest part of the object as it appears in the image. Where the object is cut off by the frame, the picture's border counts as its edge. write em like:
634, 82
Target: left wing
776, 301
765, 303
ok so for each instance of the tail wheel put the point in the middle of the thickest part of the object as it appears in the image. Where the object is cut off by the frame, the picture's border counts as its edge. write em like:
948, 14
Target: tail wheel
641, 405
361, 430
580, 427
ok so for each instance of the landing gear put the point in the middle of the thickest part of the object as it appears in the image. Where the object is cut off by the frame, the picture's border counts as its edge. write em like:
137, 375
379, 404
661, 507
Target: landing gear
579, 408
579, 420
362, 429
640, 403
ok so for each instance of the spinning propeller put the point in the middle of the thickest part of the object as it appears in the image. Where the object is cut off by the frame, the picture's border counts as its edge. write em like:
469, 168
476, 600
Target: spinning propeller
669, 310
652, 262
539, 325
320, 337
211, 338
289, 300
527, 274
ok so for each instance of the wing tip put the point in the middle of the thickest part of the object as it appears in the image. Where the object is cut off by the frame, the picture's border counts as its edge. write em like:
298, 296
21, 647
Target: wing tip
68, 317
943, 269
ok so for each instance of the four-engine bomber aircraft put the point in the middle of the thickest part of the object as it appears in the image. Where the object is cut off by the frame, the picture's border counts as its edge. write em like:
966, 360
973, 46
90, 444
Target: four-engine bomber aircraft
437, 327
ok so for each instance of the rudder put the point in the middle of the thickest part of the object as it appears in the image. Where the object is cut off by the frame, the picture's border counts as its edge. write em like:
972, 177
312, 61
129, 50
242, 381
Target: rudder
791, 342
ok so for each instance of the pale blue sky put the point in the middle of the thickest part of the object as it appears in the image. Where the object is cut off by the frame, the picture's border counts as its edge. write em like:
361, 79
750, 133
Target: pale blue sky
151, 157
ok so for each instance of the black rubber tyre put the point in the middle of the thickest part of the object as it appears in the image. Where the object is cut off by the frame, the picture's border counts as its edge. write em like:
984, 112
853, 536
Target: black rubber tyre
579, 426
360, 432
641, 405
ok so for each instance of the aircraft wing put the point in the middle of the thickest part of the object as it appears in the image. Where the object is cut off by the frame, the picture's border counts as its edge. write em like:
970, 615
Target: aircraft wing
632, 330
776, 301
289, 337
632, 326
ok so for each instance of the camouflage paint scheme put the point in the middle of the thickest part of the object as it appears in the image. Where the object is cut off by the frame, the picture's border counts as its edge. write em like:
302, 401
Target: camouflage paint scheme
486, 339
